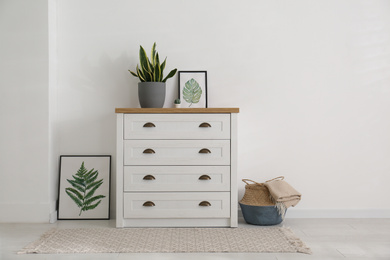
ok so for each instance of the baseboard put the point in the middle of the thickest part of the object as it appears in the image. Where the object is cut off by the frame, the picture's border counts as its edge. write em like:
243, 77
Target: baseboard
53, 217
334, 213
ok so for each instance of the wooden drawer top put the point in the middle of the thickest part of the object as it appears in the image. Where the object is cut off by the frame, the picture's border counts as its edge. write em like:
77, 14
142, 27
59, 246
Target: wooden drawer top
176, 110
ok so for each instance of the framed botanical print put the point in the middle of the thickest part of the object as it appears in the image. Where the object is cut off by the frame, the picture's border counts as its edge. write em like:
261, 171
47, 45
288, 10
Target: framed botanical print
84, 187
193, 89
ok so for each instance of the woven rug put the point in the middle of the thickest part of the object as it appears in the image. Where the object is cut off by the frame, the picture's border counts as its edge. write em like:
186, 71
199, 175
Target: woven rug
167, 240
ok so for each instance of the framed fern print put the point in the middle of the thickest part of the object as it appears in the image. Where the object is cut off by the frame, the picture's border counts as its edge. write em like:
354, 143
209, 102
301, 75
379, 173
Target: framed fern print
193, 89
84, 187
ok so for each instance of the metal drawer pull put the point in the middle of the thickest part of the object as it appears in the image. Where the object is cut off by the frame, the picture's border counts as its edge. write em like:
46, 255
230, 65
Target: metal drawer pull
149, 204
149, 124
149, 177
204, 125
204, 150
205, 177
205, 204
149, 151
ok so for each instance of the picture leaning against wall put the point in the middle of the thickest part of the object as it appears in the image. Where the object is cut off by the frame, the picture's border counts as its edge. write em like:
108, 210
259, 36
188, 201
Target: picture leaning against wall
84, 187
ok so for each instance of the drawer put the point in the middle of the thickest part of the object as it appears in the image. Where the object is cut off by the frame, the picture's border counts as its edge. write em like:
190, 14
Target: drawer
177, 205
176, 178
176, 152
177, 126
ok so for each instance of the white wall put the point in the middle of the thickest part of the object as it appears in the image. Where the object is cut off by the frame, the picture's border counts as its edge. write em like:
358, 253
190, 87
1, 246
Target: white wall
311, 78
53, 113
24, 143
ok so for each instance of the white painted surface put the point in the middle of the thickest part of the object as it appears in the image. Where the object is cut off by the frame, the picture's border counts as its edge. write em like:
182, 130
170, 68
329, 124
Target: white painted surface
24, 112
167, 200
233, 169
176, 178
177, 152
118, 176
176, 205
177, 126
54, 148
311, 79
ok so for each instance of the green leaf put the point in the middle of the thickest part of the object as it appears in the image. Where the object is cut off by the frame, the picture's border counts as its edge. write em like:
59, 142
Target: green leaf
79, 187
144, 61
157, 60
134, 74
75, 192
90, 186
78, 202
92, 179
82, 170
141, 75
163, 64
78, 180
85, 208
148, 76
91, 192
153, 54
170, 75
89, 173
84, 187
192, 91
88, 202
157, 73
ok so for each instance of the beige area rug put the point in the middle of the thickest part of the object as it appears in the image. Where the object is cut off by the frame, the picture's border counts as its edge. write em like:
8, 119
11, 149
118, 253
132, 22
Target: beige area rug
167, 240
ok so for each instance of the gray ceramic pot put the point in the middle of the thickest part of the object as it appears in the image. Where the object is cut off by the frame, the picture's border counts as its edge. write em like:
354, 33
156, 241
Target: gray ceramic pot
151, 94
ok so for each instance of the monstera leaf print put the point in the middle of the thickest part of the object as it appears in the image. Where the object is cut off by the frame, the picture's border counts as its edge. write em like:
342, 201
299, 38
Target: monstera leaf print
192, 92
84, 185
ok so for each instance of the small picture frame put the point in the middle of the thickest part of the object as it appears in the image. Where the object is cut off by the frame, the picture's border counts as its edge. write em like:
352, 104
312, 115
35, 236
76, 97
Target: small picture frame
84, 187
193, 89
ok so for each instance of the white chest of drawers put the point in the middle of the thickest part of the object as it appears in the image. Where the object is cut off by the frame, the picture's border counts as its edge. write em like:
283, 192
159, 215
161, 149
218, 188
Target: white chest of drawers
176, 167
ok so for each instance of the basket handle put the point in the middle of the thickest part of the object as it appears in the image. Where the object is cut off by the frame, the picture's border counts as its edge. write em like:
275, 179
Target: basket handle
280, 178
246, 181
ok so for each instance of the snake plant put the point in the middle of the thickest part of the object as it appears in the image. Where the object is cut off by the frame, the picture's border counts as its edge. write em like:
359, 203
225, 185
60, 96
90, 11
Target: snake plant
150, 70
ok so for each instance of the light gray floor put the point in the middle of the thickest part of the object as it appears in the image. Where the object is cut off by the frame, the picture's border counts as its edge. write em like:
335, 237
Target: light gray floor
328, 238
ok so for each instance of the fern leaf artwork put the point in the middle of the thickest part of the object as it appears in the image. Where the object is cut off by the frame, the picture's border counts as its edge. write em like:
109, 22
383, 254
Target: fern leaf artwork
84, 186
192, 92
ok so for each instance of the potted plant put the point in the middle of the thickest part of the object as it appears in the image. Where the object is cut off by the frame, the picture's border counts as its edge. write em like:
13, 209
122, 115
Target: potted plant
151, 89
177, 102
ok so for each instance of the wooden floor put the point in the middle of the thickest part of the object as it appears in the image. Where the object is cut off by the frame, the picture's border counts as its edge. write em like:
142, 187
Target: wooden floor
328, 238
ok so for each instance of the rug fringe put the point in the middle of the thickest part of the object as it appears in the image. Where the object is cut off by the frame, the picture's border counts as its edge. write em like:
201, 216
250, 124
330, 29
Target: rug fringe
32, 247
294, 240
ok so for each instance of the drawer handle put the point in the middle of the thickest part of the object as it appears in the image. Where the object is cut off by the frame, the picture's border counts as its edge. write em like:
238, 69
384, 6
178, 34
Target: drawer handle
149, 124
205, 177
204, 125
149, 151
149, 177
205, 204
204, 150
149, 204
